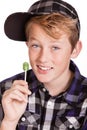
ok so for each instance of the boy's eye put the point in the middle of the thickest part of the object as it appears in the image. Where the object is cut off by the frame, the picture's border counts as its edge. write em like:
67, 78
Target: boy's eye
55, 48
35, 46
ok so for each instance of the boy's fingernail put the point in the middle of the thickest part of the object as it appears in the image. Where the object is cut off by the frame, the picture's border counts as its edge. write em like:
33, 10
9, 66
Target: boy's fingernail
29, 92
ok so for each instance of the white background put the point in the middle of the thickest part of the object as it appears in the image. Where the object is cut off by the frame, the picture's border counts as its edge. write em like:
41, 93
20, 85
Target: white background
13, 53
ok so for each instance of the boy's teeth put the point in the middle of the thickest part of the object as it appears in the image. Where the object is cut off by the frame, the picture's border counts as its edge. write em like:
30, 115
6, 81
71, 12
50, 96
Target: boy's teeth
44, 68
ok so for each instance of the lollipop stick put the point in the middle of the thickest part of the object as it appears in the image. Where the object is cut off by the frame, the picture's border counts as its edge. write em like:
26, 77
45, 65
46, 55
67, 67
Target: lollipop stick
25, 75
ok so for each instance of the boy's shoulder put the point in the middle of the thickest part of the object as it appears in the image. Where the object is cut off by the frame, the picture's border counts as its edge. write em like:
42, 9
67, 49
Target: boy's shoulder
6, 83
83, 86
84, 82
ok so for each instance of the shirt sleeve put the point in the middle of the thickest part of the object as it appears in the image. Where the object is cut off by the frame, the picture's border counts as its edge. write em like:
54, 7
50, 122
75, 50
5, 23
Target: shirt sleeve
1, 109
84, 127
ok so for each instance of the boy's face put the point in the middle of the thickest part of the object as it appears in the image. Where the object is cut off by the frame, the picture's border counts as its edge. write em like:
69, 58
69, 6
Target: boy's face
49, 57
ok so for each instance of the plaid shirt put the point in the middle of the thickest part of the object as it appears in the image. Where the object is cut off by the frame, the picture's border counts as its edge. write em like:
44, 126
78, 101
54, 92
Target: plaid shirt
67, 111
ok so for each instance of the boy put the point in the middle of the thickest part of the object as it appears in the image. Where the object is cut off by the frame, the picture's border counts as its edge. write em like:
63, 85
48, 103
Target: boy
55, 94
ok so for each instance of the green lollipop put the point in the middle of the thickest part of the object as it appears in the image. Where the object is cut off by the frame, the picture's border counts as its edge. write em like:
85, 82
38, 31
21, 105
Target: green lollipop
25, 68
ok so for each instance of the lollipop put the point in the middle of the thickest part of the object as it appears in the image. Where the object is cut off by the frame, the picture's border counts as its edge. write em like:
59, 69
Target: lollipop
25, 68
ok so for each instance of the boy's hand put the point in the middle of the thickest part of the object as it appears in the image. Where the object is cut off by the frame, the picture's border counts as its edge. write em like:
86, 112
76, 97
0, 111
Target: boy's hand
14, 101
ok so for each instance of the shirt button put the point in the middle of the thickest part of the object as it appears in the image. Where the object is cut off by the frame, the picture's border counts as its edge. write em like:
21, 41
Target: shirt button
70, 126
44, 90
49, 103
23, 119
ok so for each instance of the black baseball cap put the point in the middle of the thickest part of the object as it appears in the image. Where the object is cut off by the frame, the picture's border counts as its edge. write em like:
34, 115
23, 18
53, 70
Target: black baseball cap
14, 26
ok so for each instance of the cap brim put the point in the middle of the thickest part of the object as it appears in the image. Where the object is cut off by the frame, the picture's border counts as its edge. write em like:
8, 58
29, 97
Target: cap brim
14, 26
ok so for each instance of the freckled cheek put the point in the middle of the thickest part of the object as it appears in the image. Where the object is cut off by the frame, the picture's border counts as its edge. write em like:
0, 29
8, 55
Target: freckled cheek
33, 56
60, 60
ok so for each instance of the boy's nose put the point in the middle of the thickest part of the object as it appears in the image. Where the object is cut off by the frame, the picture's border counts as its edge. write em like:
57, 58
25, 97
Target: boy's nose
43, 57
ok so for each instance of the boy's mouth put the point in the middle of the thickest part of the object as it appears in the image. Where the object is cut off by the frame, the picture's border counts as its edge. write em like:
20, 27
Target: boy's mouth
44, 68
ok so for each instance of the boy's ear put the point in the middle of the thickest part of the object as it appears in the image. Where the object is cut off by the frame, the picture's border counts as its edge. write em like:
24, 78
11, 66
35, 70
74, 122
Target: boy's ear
77, 49
26, 43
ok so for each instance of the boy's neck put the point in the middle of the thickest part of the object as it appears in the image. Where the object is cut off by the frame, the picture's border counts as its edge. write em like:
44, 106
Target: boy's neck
59, 87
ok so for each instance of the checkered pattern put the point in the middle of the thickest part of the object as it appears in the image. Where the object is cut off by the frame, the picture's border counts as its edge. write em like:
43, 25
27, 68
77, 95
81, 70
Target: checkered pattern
67, 111
49, 6
18, 20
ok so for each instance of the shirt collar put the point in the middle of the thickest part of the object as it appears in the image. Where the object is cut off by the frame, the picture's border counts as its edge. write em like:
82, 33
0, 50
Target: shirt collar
73, 93
33, 82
